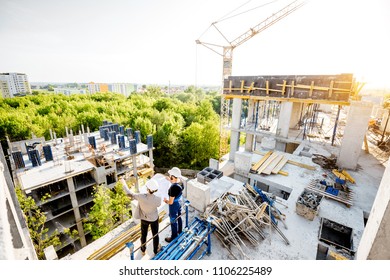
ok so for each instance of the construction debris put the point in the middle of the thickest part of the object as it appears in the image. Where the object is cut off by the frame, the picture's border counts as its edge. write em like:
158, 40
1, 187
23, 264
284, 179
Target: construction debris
329, 190
343, 175
244, 216
308, 204
325, 162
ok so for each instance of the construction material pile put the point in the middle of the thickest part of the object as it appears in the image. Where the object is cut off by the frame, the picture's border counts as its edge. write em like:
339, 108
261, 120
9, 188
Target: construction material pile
308, 204
119, 243
310, 200
244, 217
188, 244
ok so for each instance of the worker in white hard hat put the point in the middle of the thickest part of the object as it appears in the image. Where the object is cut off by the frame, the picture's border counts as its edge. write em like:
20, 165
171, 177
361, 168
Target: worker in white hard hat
175, 198
148, 203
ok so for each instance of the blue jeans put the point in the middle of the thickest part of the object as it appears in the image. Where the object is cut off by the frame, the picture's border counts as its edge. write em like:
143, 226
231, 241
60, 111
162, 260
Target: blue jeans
175, 218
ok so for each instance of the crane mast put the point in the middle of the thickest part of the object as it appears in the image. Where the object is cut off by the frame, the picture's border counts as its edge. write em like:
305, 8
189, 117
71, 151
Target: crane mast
227, 54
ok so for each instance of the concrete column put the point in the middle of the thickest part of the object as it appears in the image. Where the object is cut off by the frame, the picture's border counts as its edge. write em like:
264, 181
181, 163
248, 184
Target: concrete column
286, 109
249, 142
251, 123
355, 129
135, 172
251, 111
236, 120
375, 242
76, 211
295, 114
151, 159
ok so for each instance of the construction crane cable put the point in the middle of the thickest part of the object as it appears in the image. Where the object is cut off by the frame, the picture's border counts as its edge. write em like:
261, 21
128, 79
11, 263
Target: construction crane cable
242, 5
257, 7
219, 31
222, 18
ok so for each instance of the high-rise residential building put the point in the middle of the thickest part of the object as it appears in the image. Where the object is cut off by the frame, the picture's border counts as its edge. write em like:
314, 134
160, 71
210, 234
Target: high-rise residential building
14, 84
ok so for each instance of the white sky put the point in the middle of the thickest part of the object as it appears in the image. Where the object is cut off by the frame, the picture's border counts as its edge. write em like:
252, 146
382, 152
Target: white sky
153, 41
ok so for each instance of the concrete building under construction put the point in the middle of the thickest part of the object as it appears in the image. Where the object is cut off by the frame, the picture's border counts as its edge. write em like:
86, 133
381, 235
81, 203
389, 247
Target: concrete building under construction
303, 154
303, 179
60, 174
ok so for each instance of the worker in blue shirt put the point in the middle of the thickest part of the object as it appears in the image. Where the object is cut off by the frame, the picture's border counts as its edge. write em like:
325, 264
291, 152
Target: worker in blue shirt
175, 201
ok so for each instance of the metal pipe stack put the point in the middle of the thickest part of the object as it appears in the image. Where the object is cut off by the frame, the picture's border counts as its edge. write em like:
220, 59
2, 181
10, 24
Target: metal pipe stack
189, 242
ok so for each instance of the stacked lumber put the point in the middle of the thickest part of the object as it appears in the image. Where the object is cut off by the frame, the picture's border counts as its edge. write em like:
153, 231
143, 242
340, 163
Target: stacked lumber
119, 243
270, 163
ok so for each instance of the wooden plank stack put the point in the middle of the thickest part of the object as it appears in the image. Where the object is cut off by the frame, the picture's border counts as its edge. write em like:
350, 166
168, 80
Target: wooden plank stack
270, 163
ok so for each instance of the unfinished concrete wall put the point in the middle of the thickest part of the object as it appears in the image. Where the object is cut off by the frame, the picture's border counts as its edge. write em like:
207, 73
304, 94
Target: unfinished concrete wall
375, 242
15, 241
355, 129
7, 250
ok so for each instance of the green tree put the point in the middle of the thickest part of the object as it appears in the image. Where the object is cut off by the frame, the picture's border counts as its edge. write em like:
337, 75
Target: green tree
36, 219
200, 143
152, 112
111, 208
120, 204
101, 217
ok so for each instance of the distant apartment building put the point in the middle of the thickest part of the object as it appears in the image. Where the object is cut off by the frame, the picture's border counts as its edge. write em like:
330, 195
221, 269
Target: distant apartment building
69, 91
123, 88
14, 84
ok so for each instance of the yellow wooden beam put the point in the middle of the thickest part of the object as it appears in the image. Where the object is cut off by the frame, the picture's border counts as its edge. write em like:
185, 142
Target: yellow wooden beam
292, 88
284, 173
315, 87
261, 161
284, 87
291, 99
311, 88
267, 87
251, 87
331, 89
242, 86
258, 88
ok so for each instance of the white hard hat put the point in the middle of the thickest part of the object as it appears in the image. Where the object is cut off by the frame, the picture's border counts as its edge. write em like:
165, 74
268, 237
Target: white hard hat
152, 185
175, 172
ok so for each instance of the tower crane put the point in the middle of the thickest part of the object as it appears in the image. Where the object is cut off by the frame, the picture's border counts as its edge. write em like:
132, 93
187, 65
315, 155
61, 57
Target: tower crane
227, 55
